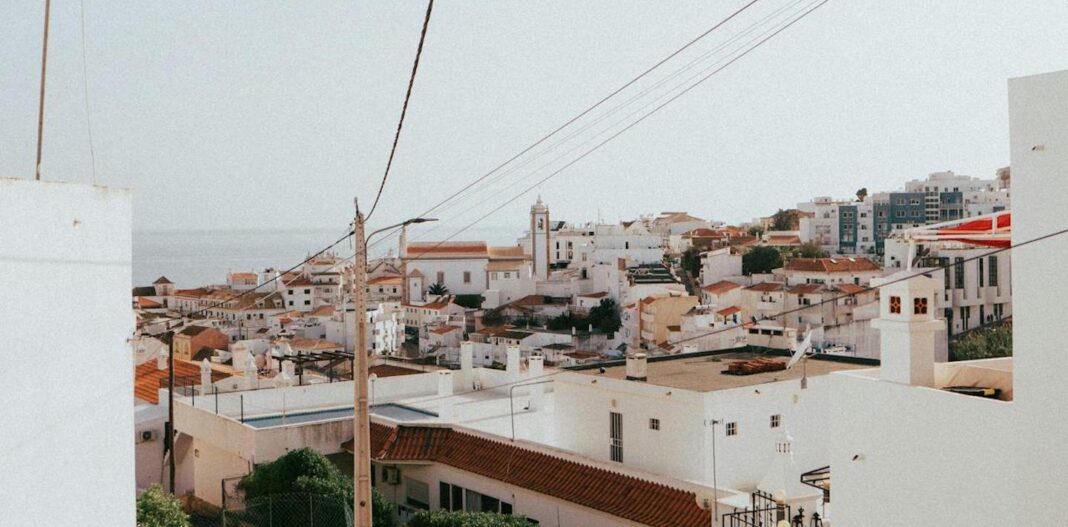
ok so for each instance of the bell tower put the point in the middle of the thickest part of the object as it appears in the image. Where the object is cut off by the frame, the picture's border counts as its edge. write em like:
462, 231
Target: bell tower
907, 328
539, 239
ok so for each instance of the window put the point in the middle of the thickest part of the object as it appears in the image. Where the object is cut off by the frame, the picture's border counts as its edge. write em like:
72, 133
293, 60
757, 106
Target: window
992, 270
981, 276
732, 428
467, 277
616, 436
307, 302
895, 305
654, 424
776, 420
958, 272
290, 302
919, 306
307, 291
417, 493
290, 291
899, 214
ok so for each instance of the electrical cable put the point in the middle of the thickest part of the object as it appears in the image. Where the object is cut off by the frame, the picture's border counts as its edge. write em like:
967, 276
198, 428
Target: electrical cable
404, 109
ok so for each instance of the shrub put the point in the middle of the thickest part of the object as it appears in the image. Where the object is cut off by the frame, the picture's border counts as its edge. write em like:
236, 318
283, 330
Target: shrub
156, 508
442, 518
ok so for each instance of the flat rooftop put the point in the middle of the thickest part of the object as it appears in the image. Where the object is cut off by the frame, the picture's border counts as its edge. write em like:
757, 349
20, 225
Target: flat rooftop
705, 373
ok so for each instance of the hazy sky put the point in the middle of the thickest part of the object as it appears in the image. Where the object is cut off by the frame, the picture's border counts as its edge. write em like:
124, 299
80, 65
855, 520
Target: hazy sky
243, 114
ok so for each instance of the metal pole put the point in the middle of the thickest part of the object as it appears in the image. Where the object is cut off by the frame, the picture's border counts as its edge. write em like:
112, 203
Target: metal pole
362, 429
40, 107
170, 406
715, 484
242, 408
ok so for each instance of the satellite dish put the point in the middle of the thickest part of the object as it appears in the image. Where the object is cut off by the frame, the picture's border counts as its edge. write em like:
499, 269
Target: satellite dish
802, 348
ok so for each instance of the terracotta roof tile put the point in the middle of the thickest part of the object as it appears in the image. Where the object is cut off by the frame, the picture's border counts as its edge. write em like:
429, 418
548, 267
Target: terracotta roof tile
446, 250
628, 497
851, 289
806, 289
147, 378
832, 265
766, 287
726, 312
720, 287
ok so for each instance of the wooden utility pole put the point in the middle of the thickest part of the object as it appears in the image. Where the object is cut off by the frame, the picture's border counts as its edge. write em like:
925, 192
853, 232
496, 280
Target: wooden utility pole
362, 427
40, 107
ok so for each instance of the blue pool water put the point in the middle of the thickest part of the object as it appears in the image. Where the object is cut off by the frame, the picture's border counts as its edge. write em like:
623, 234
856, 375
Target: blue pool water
391, 411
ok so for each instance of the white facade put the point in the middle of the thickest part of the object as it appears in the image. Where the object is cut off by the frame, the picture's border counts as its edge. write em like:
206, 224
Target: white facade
929, 457
719, 264
67, 441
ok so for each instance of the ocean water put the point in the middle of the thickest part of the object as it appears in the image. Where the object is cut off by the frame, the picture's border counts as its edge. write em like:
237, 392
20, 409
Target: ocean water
192, 258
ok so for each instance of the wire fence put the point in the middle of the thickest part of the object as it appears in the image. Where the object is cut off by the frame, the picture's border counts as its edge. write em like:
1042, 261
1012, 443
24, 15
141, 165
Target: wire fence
290, 510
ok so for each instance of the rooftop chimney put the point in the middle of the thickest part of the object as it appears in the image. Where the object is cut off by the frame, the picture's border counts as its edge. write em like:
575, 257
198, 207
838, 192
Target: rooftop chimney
161, 358
907, 328
512, 364
445, 395
467, 363
636, 367
537, 391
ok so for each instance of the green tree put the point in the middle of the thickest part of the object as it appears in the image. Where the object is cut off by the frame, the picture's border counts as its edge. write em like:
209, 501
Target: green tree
307, 472
443, 518
862, 193
761, 260
811, 250
156, 508
438, 288
756, 230
786, 220
492, 317
605, 316
691, 261
982, 344
562, 321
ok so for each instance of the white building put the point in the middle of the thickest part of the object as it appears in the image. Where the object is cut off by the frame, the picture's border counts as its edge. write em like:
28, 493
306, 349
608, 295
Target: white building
832, 271
720, 264
66, 442
929, 456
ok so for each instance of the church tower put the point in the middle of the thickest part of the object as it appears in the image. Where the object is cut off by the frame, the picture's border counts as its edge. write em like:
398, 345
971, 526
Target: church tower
539, 239
907, 328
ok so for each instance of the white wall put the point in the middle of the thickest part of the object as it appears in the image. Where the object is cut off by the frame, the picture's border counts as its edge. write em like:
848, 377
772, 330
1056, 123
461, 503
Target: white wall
1038, 129
67, 441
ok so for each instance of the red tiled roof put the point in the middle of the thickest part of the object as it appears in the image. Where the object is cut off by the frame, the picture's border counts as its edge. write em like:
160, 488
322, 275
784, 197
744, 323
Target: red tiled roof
615, 493
832, 265
806, 289
720, 287
387, 280
509, 252
389, 370
444, 329
766, 287
425, 250
601, 294
729, 311
744, 240
147, 303
147, 378
322, 311
851, 289
784, 240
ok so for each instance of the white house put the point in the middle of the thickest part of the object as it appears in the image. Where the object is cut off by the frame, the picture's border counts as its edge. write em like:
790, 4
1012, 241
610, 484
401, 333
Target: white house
719, 264
842, 270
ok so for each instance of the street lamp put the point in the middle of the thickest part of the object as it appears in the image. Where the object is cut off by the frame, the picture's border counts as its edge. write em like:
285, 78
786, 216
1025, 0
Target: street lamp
362, 429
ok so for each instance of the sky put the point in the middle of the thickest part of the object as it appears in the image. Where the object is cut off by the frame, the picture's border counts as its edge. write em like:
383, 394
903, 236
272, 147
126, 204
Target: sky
276, 115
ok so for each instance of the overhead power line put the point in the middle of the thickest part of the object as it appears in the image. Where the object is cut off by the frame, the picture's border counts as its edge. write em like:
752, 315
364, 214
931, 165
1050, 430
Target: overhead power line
659, 107
404, 109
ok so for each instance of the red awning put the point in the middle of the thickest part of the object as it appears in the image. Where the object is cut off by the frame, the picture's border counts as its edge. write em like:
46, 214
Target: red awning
981, 232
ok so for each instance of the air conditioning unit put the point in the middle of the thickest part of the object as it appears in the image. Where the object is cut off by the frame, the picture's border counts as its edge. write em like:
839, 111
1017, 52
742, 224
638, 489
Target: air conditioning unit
149, 435
391, 475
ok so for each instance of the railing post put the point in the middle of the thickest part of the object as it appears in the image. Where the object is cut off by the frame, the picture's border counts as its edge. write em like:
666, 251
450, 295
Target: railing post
242, 408
216, 388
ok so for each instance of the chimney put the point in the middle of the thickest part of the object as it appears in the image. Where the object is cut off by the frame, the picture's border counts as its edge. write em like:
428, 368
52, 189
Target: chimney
444, 395
907, 328
467, 363
512, 364
636, 367
205, 377
537, 391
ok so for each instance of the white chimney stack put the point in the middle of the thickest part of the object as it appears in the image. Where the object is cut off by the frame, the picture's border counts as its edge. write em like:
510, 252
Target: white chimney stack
444, 395
537, 391
467, 363
161, 358
205, 377
907, 328
512, 364
636, 367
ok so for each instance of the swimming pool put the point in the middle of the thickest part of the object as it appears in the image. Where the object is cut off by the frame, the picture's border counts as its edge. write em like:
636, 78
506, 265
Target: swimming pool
392, 411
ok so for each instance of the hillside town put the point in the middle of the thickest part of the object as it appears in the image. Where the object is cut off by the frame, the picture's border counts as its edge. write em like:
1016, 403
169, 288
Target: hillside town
651, 316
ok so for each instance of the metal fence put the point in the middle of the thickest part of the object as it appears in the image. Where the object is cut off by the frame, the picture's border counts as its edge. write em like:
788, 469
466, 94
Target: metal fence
290, 510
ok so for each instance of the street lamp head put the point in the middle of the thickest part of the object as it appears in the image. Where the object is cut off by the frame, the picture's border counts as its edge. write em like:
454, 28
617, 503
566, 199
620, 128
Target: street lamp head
420, 220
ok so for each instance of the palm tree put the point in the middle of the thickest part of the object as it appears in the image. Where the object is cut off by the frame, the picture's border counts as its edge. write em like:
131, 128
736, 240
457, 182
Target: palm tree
438, 289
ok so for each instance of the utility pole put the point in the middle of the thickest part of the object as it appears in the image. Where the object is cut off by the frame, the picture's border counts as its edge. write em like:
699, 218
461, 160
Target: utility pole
170, 407
40, 107
362, 429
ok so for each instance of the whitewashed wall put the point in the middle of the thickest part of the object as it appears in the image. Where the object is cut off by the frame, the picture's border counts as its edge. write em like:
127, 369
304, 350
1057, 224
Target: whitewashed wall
67, 442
